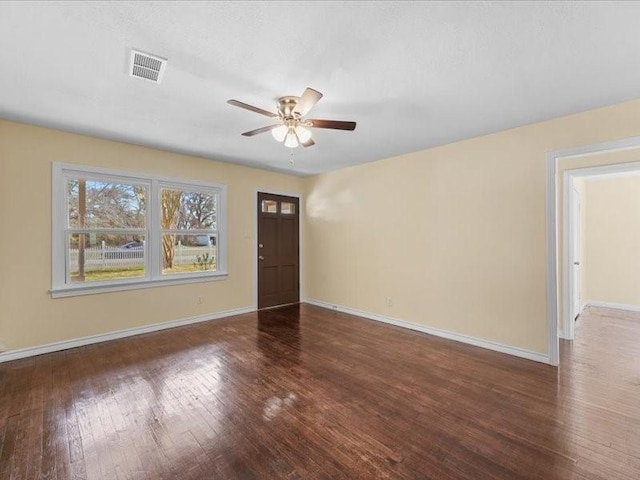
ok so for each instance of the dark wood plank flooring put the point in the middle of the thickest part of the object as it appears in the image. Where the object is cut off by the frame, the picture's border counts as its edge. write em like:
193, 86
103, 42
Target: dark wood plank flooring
306, 393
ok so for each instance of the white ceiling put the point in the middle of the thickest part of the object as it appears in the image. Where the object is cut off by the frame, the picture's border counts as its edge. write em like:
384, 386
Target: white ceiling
413, 75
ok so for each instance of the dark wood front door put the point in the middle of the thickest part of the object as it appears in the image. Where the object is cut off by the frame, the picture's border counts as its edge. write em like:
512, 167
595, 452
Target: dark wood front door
278, 250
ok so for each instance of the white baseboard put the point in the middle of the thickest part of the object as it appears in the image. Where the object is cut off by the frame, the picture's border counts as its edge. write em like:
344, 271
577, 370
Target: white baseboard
478, 342
129, 332
619, 306
564, 336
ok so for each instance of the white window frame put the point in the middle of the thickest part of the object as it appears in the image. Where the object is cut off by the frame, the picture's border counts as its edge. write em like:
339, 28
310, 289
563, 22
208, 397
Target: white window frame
60, 284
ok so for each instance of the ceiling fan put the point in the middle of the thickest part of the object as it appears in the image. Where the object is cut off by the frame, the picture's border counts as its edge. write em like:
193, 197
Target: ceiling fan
290, 127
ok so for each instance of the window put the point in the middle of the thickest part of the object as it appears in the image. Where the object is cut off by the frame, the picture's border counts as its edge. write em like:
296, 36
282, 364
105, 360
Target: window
106, 229
287, 208
188, 226
119, 230
269, 206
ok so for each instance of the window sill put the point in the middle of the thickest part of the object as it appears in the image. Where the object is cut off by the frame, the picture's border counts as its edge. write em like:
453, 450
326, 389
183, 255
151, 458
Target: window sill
91, 289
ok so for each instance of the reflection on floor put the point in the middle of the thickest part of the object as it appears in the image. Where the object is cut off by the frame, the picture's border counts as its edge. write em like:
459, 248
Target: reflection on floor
305, 393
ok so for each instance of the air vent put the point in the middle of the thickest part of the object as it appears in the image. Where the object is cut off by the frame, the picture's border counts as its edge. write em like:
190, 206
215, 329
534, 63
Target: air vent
146, 66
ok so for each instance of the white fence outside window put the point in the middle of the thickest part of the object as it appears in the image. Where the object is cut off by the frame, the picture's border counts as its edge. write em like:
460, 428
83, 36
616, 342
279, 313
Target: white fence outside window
103, 257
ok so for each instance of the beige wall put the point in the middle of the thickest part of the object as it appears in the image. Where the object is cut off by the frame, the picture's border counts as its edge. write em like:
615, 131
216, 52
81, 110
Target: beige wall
612, 235
455, 234
28, 315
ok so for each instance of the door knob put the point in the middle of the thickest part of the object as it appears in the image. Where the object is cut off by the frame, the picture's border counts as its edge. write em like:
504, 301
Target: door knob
260, 258
576, 263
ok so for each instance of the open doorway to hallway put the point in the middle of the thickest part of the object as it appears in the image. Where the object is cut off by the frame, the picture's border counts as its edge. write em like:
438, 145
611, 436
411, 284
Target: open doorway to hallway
602, 261
562, 166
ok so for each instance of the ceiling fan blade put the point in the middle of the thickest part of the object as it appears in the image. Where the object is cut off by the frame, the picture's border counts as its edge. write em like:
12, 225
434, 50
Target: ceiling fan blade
251, 133
308, 143
334, 124
308, 99
246, 106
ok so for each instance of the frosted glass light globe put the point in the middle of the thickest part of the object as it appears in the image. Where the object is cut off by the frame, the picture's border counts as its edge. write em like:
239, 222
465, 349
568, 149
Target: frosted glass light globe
279, 133
304, 135
291, 141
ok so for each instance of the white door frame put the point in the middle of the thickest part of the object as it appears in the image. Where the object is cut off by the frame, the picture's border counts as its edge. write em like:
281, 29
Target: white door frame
553, 161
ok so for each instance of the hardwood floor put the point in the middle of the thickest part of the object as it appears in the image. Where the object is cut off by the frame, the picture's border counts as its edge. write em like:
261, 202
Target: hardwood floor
306, 393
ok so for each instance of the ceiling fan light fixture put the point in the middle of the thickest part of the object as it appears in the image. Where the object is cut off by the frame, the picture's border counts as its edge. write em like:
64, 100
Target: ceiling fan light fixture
290, 125
280, 133
291, 140
304, 135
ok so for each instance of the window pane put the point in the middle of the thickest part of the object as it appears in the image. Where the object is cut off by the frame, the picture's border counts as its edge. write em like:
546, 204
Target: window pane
188, 210
95, 257
189, 253
287, 208
104, 204
269, 206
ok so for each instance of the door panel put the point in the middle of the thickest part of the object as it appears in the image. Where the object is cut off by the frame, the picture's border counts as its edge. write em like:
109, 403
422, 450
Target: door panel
270, 280
278, 250
289, 278
268, 238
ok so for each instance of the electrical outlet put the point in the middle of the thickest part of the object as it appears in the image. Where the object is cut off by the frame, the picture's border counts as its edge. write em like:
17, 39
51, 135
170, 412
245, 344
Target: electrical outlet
199, 300
389, 301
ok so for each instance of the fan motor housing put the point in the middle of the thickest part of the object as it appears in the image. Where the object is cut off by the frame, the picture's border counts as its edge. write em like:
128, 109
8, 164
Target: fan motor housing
286, 105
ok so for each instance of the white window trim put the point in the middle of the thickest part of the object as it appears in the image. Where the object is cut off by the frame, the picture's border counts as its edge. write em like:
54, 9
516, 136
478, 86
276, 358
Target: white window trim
153, 269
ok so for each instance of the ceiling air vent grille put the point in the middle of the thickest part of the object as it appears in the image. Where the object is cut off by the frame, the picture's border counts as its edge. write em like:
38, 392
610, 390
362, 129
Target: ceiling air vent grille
146, 66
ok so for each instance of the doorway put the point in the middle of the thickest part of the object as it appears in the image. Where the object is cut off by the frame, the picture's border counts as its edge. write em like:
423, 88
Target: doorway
557, 273
608, 263
278, 253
